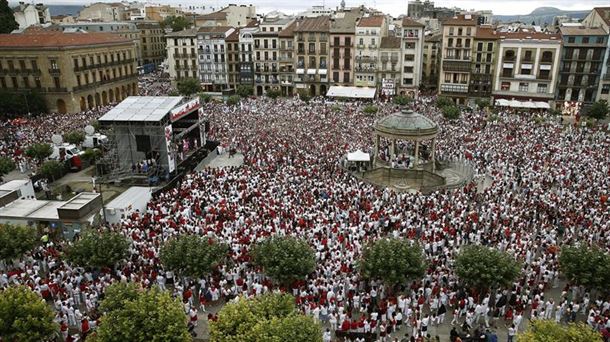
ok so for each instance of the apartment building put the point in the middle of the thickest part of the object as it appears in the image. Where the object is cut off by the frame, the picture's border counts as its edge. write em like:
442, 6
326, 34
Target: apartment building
287, 59
342, 37
412, 55
311, 41
231, 15
246, 58
369, 32
600, 17
104, 12
182, 59
455, 72
152, 47
233, 66
212, 56
160, 12
527, 66
431, 61
73, 71
389, 72
266, 52
484, 59
582, 60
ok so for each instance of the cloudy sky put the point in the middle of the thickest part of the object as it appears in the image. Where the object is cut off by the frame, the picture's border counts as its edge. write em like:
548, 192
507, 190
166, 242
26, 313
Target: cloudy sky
394, 7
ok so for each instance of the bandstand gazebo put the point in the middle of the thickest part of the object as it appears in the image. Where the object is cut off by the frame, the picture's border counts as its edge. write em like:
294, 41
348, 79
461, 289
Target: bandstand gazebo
406, 125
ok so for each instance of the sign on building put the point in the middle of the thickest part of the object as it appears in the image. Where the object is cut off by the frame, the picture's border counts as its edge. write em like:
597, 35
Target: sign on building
387, 87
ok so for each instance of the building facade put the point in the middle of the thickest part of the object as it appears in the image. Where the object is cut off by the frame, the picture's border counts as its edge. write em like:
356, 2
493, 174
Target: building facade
389, 72
369, 32
484, 61
27, 15
287, 59
152, 48
342, 37
182, 60
212, 57
527, 67
311, 41
600, 17
412, 56
73, 71
582, 60
432, 61
246, 58
233, 66
104, 12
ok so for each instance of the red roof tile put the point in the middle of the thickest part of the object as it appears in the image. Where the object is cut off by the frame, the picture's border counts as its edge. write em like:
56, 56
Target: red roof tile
53, 39
408, 22
373, 21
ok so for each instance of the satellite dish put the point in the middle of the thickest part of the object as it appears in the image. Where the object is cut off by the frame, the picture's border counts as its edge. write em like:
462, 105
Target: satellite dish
89, 130
57, 139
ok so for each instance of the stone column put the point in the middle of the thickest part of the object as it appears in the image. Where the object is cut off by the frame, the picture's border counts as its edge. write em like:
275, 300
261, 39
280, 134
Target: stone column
393, 149
433, 154
416, 154
377, 138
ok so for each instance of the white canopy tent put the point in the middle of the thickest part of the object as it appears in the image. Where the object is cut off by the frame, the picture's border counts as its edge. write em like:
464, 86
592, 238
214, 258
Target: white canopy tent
351, 92
358, 156
522, 104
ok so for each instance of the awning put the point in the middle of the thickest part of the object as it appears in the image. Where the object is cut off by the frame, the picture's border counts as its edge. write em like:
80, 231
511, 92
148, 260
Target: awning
522, 104
311, 71
322, 71
300, 71
502, 103
351, 92
544, 105
358, 156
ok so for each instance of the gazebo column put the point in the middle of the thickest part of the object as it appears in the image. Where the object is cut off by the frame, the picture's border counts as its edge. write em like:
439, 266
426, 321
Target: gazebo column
377, 139
393, 152
416, 154
433, 154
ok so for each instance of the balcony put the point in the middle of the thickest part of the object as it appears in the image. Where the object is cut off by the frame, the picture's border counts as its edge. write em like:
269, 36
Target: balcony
606, 76
546, 61
54, 71
366, 59
509, 58
57, 90
360, 46
373, 46
456, 58
458, 66
365, 69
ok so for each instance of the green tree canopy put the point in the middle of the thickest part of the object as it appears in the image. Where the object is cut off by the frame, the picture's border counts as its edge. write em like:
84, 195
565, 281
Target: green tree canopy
74, 137
233, 100
6, 165
370, 109
24, 316
188, 86
117, 295
599, 110
395, 261
586, 266
98, 249
176, 23
270, 317
549, 331
485, 268
402, 100
451, 112
442, 101
193, 256
245, 90
152, 315
16, 240
483, 103
304, 95
7, 19
39, 151
274, 93
284, 259
52, 169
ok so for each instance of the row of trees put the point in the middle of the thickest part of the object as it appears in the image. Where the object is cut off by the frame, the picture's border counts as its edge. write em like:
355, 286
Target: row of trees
21, 103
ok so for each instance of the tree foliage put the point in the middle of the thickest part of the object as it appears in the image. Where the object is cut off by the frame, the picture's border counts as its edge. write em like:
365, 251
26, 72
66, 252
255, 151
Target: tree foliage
52, 169
443, 101
6, 165
395, 261
370, 109
205, 98
483, 103
117, 295
485, 268
16, 240
274, 93
188, 86
284, 259
39, 151
599, 110
176, 23
270, 317
304, 95
402, 100
24, 316
245, 90
98, 249
152, 315
451, 112
193, 256
7, 19
586, 266
550, 331
21, 103
74, 137
91, 155
233, 100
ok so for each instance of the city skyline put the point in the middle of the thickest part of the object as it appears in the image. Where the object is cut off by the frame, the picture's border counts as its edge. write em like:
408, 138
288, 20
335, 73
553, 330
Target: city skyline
393, 7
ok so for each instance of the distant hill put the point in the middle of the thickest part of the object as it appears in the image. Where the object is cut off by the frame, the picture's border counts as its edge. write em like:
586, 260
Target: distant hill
541, 15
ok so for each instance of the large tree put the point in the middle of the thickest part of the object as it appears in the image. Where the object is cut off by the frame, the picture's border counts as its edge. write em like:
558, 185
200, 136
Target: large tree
549, 331
6, 165
153, 315
188, 86
270, 317
74, 137
39, 151
97, 249
586, 266
176, 23
485, 268
395, 261
193, 256
7, 19
117, 295
16, 240
24, 316
599, 110
284, 259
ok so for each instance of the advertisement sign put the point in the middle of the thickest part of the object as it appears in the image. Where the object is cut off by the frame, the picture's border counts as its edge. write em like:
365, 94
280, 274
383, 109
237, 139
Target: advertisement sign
387, 87
178, 112
171, 160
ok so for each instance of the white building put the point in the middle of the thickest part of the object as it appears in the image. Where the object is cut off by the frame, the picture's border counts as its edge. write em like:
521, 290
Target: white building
27, 15
412, 50
316, 11
527, 68
211, 55
369, 32
182, 54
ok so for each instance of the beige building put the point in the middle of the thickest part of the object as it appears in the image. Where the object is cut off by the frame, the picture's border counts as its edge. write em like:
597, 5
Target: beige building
73, 71
182, 54
159, 13
152, 46
388, 74
101, 11
287, 59
312, 52
369, 32
432, 60
342, 37
232, 15
600, 17
412, 49
27, 15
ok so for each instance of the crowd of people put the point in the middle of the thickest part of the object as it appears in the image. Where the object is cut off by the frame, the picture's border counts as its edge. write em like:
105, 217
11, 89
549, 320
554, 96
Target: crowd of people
154, 84
548, 185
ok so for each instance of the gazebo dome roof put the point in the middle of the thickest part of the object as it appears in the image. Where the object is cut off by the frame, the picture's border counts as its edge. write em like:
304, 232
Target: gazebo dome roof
406, 123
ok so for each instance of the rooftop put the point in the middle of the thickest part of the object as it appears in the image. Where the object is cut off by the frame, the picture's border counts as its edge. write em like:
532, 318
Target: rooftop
214, 29
390, 43
529, 35
79, 201
213, 16
32, 209
142, 108
582, 31
372, 21
344, 22
233, 37
604, 12
288, 31
487, 33
58, 40
406, 123
190, 32
408, 22
317, 24
461, 20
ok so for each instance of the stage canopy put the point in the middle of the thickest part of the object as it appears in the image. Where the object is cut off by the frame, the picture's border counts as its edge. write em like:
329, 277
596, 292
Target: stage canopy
351, 92
358, 156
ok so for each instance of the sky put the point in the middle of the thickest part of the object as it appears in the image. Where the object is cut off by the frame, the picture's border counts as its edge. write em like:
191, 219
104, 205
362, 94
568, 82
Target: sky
393, 7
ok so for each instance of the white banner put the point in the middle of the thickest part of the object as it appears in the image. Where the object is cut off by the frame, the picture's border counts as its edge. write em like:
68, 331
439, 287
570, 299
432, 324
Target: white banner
387, 86
171, 160
186, 108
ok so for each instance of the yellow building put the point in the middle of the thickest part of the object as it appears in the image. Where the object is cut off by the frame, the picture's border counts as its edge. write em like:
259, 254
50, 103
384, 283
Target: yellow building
152, 47
73, 71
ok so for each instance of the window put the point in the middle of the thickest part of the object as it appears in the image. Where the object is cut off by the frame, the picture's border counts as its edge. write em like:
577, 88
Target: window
505, 86
605, 88
600, 40
490, 46
346, 77
21, 64
56, 82
15, 84
480, 47
571, 39
34, 65
542, 88
523, 86
335, 77
451, 30
585, 40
